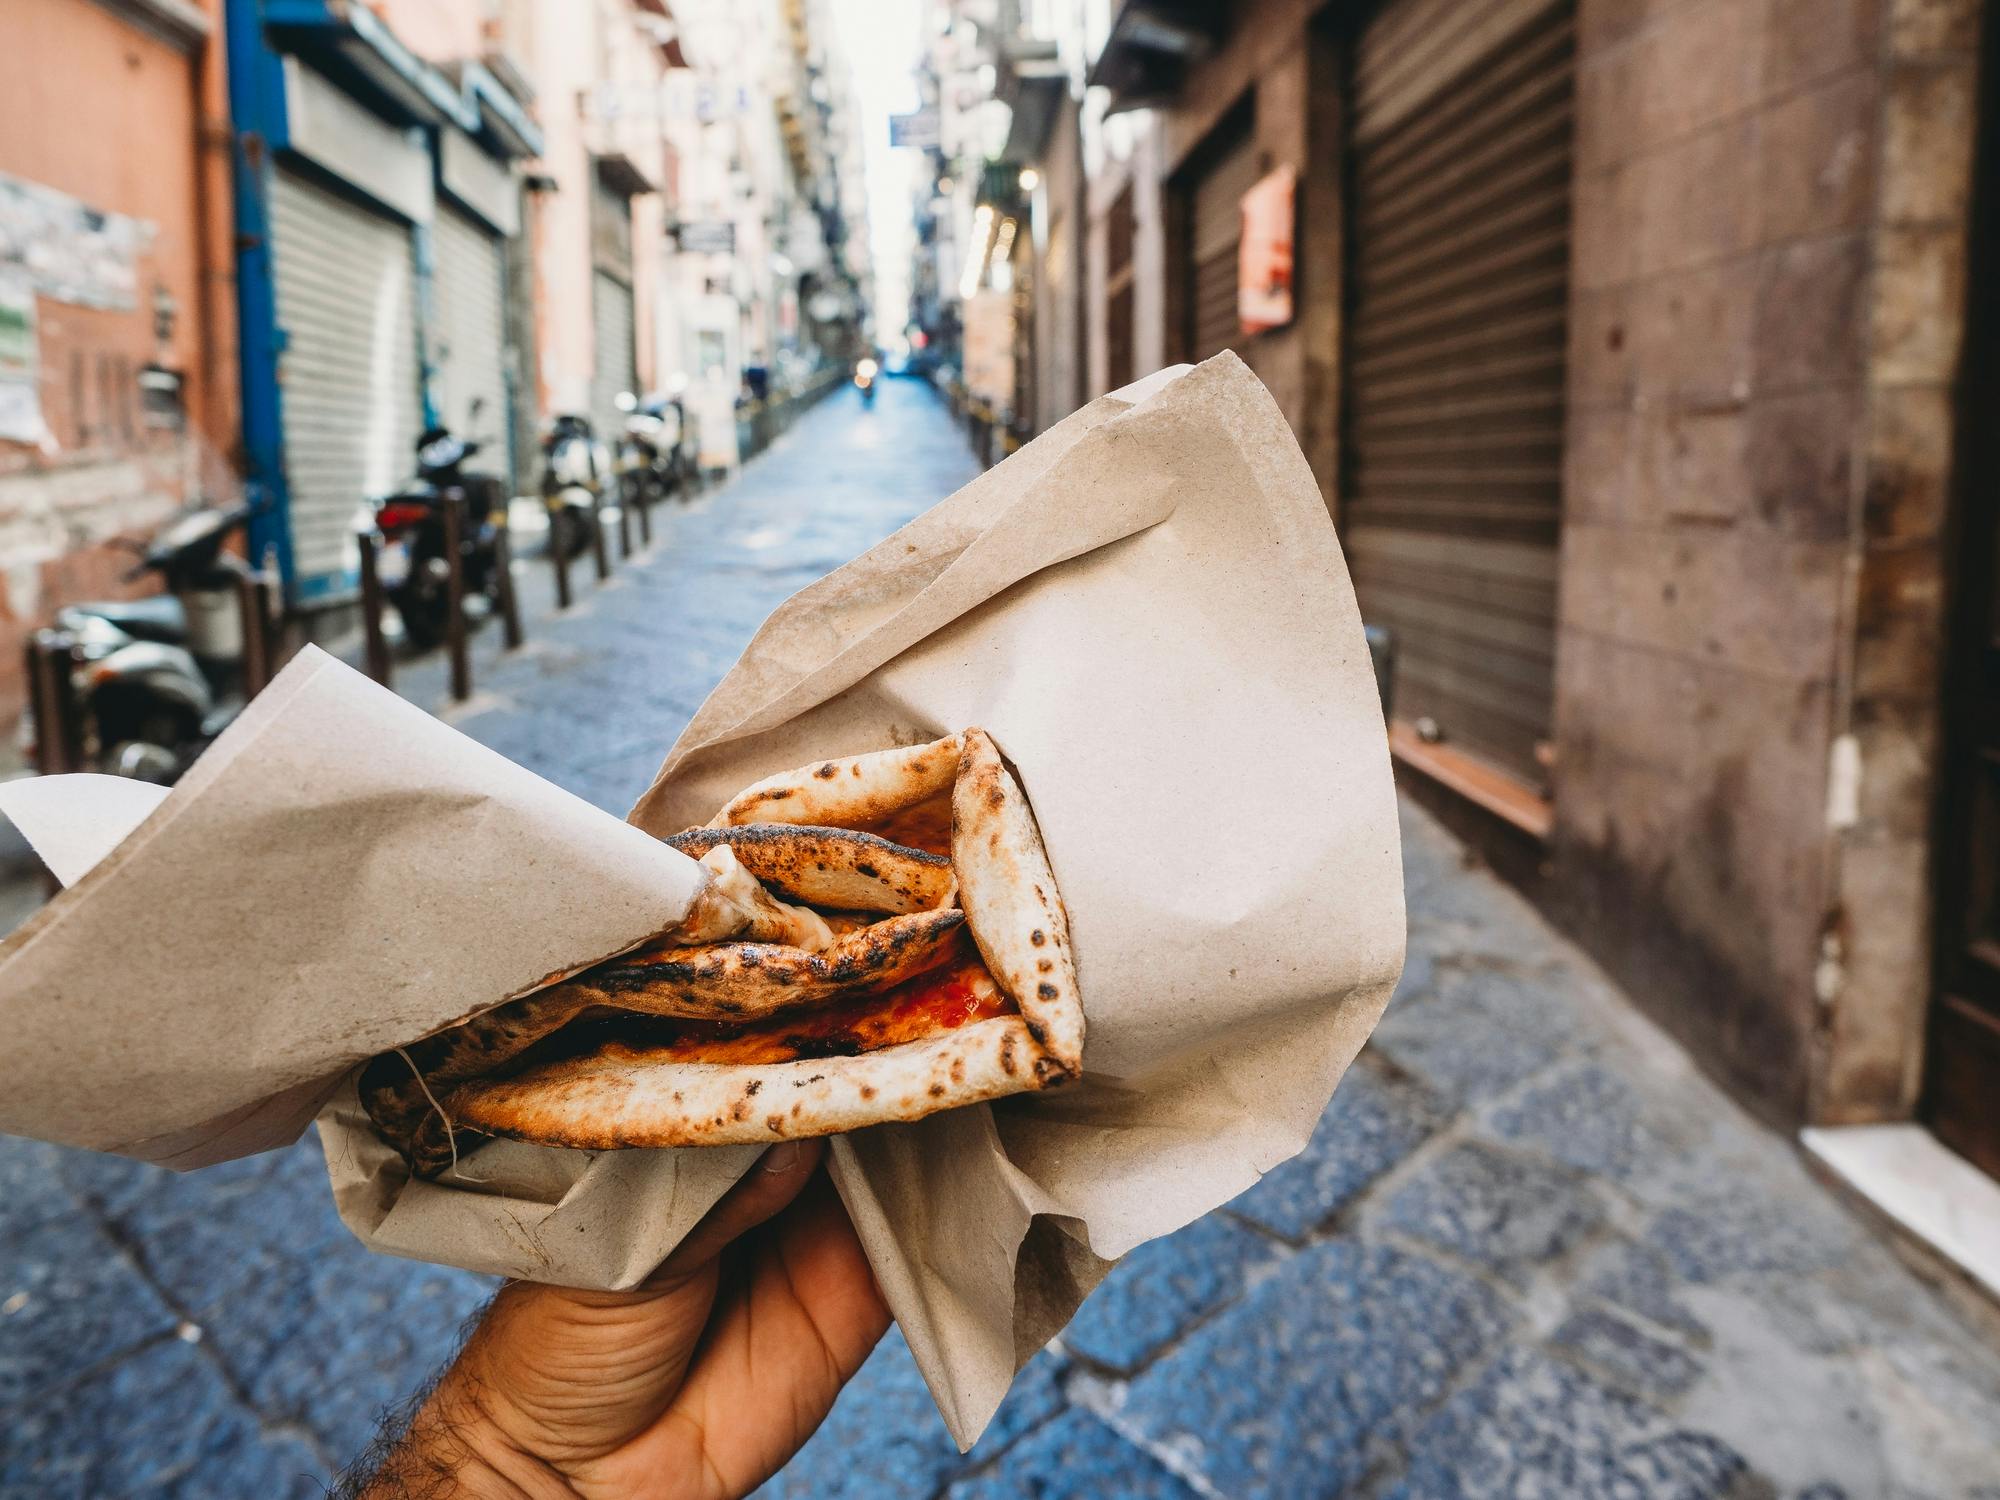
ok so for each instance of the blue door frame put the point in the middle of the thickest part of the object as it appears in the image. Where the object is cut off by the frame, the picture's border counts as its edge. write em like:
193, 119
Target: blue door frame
257, 113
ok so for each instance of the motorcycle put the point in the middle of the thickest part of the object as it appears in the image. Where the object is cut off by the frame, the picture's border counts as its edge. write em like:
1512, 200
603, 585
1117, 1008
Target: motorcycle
639, 463
413, 562
866, 374
674, 438
155, 677
656, 459
683, 435
573, 466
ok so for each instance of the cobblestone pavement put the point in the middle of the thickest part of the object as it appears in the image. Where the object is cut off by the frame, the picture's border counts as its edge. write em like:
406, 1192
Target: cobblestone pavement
1529, 1251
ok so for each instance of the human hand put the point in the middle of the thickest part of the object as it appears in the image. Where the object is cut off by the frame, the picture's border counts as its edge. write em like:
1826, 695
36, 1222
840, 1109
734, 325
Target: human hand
697, 1385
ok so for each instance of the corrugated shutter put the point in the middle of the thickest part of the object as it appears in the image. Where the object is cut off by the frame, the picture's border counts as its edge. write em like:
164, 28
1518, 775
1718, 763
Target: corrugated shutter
1215, 235
1021, 260
1119, 233
472, 355
1460, 226
1056, 342
346, 298
615, 366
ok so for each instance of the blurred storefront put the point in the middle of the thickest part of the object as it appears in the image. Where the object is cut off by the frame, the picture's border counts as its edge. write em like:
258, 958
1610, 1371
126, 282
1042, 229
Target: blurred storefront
1630, 346
117, 335
379, 199
474, 213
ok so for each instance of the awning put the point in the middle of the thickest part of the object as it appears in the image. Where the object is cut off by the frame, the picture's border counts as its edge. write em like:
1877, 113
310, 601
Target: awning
1036, 85
1151, 46
621, 174
350, 42
502, 114
345, 39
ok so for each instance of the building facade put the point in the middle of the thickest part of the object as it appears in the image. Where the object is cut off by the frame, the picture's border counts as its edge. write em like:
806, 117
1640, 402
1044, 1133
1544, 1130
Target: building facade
379, 203
1640, 358
117, 319
256, 247
765, 253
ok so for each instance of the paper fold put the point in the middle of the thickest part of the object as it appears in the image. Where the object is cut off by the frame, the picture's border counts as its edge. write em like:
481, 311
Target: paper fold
339, 874
1153, 619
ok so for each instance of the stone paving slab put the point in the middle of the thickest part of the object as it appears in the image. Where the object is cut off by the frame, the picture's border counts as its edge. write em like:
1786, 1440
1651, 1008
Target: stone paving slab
1528, 1252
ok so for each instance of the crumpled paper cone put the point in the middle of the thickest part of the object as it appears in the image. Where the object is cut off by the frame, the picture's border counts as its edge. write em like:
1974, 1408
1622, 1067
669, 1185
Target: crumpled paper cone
1146, 607
1148, 610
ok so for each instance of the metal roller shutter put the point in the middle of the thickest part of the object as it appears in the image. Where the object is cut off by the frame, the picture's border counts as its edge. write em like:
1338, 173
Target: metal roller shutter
1460, 225
1055, 329
346, 300
1022, 264
472, 357
615, 367
1215, 235
1119, 233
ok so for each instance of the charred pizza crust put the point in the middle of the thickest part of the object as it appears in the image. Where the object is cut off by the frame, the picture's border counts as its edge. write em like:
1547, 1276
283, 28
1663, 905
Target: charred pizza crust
831, 867
681, 1044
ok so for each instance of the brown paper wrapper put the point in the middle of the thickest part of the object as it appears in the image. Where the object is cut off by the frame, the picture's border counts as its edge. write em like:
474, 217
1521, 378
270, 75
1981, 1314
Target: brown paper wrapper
1148, 610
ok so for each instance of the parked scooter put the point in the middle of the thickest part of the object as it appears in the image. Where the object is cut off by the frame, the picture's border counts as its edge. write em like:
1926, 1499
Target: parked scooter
656, 458
156, 677
573, 469
681, 433
640, 460
866, 374
413, 563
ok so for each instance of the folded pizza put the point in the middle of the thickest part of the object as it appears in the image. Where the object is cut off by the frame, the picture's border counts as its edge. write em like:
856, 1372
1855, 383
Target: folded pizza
879, 938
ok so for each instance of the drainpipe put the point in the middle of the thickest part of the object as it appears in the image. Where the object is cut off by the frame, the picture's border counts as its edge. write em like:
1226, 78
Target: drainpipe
257, 118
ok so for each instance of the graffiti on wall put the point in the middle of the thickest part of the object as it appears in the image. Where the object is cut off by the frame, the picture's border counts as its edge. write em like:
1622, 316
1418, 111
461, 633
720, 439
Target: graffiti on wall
67, 251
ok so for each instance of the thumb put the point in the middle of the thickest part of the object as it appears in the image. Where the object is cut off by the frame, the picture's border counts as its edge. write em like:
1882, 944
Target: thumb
570, 1374
779, 1176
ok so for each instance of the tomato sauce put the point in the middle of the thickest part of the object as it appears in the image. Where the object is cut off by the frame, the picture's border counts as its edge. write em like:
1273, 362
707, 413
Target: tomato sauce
944, 999
926, 826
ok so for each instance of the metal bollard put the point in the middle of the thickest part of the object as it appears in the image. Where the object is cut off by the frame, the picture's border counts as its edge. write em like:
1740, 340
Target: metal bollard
371, 609
600, 549
559, 555
269, 589
256, 629
52, 699
456, 639
628, 487
642, 496
503, 562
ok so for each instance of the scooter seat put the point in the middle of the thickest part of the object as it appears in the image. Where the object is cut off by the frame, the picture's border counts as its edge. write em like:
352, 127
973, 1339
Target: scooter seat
158, 617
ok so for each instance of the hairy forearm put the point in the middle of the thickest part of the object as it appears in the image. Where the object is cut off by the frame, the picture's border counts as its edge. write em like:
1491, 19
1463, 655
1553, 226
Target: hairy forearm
450, 1450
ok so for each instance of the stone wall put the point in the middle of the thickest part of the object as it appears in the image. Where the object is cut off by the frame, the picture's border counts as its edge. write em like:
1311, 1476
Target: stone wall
1765, 305
1875, 975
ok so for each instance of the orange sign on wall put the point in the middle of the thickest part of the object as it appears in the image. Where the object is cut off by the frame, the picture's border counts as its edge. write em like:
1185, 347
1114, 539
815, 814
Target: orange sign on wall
1264, 262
